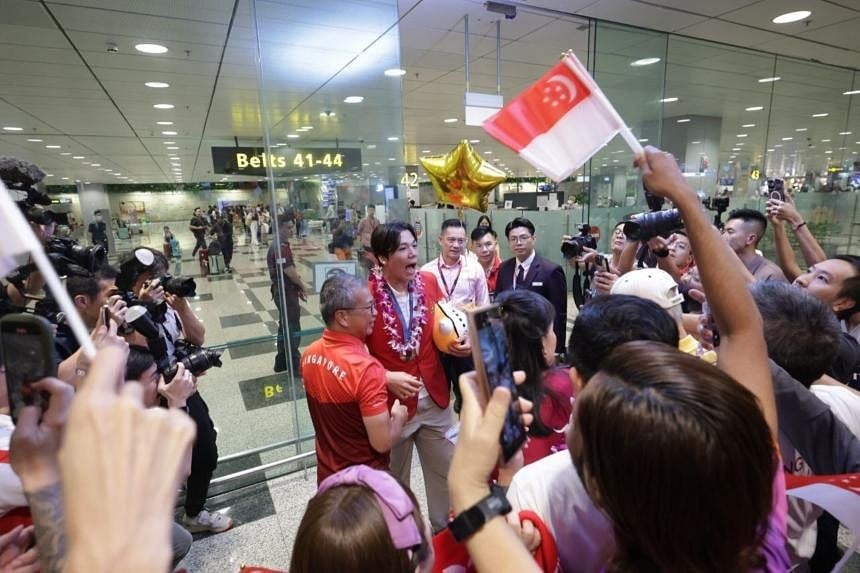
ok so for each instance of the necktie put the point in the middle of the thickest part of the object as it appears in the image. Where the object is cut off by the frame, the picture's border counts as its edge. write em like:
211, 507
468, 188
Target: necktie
520, 277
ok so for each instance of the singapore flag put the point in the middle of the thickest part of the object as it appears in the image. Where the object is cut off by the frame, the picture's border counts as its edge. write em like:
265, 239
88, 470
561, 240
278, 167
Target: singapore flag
560, 121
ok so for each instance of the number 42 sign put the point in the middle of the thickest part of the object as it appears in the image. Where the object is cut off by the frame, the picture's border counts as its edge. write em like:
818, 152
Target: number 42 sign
410, 177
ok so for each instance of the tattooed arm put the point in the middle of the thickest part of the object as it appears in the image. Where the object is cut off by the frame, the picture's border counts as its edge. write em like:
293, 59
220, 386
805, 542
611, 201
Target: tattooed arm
46, 507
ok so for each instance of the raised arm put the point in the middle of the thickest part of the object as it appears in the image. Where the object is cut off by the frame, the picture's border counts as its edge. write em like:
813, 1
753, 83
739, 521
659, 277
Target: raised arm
743, 353
787, 211
784, 253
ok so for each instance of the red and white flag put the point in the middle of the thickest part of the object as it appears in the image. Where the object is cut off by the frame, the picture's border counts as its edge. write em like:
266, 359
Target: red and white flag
18, 239
560, 121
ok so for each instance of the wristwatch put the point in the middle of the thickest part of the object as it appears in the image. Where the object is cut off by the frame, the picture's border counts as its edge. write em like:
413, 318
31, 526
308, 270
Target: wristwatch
473, 519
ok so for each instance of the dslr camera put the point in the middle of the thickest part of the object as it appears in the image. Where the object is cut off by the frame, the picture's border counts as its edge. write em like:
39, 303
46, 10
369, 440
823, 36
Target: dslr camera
646, 226
574, 246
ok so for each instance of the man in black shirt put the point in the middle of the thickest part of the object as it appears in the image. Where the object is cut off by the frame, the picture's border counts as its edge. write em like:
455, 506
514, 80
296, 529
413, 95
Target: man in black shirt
294, 290
198, 227
223, 229
98, 230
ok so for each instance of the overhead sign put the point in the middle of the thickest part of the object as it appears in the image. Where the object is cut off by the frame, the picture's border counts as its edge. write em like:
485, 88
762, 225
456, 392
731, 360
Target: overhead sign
285, 162
410, 177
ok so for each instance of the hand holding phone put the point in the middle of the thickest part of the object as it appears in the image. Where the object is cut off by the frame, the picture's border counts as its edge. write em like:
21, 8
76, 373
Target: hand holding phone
493, 367
27, 349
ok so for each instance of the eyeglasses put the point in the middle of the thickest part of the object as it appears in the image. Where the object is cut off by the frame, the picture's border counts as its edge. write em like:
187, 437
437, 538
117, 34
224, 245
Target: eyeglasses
368, 308
517, 239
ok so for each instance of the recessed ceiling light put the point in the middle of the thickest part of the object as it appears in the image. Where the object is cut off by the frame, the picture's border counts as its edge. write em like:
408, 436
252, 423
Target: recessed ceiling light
741, 135
13, 128
52, 146
157, 84
425, 151
644, 62
168, 142
684, 120
488, 152
164, 123
65, 153
150, 48
353, 99
292, 136
49, 174
474, 141
394, 72
790, 17
393, 138
64, 178
328, 114
306, 127
736, 149
450, 120
163, 106
172, 148
769, 150
168, 133
35, 140
96, 164
372, 146
820, 114
391, 159
376, 163
778, 145
78, 157
176, 164
695, 142
748, 125
825, 141
800, 129
766, 80
643, 140
828, 152
755, 108
851, 92
844, 133
668, 100
787, 138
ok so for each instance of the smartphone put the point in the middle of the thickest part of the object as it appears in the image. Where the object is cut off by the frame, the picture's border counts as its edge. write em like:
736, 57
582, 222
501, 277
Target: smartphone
27, 350
602, 263
776, 189
106, 316
493, 366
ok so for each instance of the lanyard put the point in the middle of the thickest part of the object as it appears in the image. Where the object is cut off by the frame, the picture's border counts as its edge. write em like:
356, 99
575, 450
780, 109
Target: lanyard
407, 326
449, 291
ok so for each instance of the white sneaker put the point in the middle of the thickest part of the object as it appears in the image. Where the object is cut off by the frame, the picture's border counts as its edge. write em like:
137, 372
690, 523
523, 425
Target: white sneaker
207, 521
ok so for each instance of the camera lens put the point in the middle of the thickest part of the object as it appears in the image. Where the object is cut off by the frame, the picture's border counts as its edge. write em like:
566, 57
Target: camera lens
645, 226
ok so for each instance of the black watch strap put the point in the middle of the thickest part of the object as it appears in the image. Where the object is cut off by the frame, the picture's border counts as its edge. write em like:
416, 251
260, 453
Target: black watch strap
473, 519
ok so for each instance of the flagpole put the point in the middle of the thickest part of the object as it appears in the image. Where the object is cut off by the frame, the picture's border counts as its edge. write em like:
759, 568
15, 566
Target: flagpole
576, 66
10, 214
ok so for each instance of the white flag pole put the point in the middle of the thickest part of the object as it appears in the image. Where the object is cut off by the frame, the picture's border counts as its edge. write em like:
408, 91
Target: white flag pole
17, 225
576, 66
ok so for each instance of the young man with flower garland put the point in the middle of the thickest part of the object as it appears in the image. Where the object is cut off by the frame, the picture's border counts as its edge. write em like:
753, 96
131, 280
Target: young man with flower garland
402, 340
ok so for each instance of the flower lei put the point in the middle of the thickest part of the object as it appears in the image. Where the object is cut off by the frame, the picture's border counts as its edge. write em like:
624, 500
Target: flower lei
391, 323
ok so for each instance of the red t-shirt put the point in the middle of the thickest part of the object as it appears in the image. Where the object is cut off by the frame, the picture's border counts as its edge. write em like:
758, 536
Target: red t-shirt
555, 415
343, 384
426, 365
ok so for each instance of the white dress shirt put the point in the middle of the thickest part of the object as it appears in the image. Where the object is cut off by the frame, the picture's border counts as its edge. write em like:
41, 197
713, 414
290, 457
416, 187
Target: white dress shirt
464, 282
526, 265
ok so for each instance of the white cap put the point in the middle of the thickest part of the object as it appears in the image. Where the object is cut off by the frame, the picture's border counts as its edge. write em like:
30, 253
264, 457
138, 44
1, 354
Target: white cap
653, 284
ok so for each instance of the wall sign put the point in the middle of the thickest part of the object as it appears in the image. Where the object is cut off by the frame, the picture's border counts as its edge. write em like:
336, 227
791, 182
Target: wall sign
313, 161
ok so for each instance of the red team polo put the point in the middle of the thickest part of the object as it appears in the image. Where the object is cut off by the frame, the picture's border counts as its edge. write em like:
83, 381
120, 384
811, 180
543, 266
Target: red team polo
343, 384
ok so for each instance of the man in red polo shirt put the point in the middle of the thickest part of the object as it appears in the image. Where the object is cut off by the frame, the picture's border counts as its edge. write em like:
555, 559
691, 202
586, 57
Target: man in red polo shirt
345, 385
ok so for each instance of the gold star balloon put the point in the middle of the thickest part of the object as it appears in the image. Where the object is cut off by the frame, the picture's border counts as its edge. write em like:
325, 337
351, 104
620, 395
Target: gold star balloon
462, 178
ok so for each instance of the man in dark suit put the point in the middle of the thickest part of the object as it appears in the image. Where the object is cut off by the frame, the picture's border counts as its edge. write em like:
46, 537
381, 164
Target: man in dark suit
528, 270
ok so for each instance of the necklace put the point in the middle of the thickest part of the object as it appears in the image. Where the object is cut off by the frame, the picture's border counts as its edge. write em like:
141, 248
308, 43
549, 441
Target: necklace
404, 337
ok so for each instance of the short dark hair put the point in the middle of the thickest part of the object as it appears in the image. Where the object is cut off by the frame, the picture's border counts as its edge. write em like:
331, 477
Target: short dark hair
139, 360
801, 332
611, 320
479, 233
88, 285
519, 222
386, 238
751, 216
850, 286
452, 223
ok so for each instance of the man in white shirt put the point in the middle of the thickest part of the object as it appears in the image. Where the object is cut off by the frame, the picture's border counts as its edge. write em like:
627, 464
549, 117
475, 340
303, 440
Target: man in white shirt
463, 282
461, 278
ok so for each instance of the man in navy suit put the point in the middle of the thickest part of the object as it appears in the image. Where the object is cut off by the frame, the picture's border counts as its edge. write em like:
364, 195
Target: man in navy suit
535, 273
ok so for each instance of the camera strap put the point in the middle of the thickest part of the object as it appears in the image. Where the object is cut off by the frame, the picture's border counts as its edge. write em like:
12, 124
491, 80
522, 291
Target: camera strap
578, 296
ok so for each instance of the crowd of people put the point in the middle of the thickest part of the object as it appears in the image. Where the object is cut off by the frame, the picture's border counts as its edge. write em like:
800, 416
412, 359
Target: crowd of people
658, 438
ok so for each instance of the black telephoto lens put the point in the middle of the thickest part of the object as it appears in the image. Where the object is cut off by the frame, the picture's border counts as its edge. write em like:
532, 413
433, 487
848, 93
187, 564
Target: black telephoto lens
179, 286
646, 226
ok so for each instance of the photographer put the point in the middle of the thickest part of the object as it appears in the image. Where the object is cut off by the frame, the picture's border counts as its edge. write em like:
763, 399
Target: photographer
144, 274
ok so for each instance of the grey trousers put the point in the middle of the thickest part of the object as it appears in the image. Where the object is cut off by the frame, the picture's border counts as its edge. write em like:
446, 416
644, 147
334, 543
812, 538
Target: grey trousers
426, 431
180, 540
